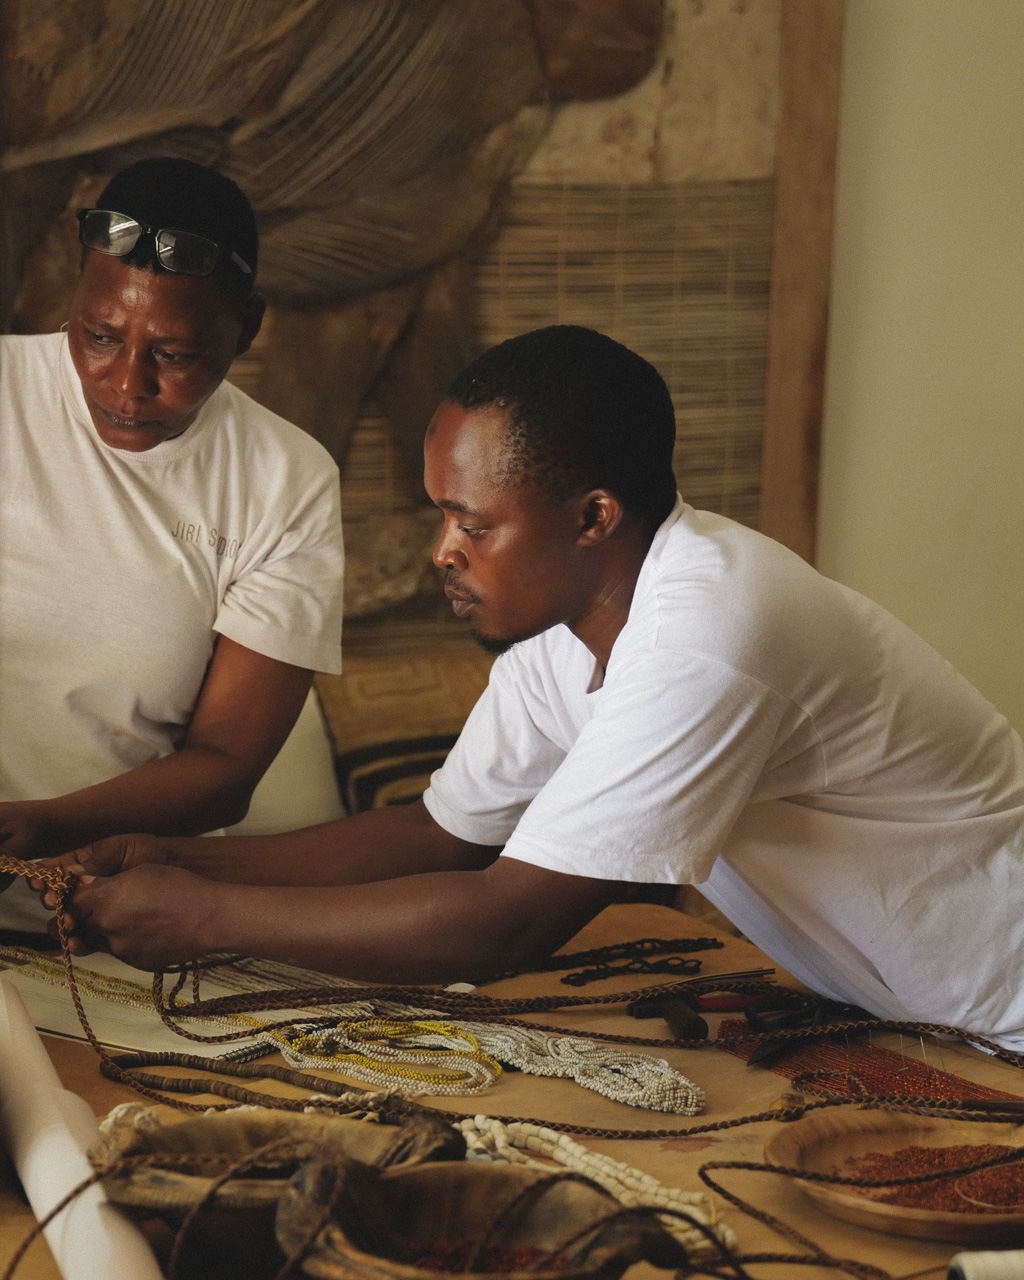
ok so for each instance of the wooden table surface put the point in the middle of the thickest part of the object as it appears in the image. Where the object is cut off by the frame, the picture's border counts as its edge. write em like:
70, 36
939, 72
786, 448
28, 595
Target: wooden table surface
733, 1089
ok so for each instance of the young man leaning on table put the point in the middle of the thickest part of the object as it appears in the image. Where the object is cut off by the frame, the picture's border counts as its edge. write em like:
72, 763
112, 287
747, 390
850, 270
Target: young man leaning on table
678, 700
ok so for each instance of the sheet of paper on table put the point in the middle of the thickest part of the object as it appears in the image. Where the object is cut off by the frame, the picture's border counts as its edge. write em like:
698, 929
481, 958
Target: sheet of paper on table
124, 1018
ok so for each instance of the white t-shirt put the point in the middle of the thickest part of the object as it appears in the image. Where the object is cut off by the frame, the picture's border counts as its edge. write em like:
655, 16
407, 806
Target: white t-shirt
118, 568
831, 783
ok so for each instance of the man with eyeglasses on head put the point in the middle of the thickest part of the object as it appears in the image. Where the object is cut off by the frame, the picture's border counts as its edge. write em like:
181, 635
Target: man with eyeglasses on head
170, 551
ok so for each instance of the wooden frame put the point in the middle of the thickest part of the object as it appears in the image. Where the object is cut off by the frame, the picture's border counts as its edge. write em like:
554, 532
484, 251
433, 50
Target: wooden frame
801, 261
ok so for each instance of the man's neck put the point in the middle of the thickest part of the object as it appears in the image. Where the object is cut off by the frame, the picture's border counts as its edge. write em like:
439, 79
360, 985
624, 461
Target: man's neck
599, 623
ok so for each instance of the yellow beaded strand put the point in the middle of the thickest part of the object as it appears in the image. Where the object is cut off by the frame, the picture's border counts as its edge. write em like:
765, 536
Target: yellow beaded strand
399, 1038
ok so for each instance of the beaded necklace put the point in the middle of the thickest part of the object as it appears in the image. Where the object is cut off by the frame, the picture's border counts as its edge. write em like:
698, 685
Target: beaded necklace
636, 1079
522, 1141
635, 953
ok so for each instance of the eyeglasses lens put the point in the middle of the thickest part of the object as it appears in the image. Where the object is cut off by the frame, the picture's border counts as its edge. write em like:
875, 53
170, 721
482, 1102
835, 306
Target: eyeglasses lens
113, 233
187, 253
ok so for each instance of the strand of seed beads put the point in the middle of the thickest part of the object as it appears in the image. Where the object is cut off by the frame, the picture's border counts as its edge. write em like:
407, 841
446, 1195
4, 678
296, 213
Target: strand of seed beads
104, 987
380, 1052
637, 1079
521, 1142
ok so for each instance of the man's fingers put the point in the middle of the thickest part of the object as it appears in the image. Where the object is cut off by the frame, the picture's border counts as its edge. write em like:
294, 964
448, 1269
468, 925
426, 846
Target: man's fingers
78, 944
47, 896
68, 862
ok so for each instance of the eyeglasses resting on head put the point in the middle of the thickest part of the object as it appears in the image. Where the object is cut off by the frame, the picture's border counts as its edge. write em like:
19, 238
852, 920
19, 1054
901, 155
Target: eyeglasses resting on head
186, 252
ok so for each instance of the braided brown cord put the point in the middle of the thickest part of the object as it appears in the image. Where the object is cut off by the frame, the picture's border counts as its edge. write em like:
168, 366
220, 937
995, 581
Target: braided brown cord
54, 877
60, 881
492, 1009
117, 1067
482, 1008
988, 1109
453, 1002
637, 948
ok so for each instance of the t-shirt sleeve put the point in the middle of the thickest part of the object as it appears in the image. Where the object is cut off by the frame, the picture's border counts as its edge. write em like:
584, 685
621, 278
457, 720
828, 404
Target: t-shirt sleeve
505, 754
286, 598
655, 779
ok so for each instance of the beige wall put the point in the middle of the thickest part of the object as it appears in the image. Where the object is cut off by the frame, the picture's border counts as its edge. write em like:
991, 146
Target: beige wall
922, 498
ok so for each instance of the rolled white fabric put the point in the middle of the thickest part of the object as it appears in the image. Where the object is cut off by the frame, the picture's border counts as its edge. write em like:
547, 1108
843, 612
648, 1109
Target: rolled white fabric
47, 1130
1006, 1265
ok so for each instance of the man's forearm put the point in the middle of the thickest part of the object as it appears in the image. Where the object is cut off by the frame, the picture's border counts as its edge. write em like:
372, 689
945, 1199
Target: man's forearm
437, 927
434, 927
381, 844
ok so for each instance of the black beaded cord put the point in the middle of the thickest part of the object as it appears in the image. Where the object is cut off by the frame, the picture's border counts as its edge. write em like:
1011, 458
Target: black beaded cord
638, 949
670, 964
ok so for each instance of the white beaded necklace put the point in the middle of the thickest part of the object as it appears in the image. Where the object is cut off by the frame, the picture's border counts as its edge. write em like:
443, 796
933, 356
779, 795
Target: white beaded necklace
393, 1055
637, 1079
521, 1142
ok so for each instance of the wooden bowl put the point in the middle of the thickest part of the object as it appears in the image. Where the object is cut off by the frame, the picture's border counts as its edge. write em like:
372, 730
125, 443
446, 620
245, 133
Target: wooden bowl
823, 1141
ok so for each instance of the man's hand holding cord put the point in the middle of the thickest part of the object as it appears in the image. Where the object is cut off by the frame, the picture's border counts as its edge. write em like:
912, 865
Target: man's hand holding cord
151, 916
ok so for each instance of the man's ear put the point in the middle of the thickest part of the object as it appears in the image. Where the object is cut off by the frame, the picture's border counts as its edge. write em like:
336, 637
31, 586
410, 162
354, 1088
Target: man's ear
600, 515
252, 319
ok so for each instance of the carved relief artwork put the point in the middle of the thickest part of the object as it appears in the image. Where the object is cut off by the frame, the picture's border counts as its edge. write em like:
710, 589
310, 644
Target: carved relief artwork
411, 163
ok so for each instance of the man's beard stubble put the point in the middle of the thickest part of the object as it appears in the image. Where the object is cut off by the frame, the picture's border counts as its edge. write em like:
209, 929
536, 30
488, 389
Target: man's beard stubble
494, 644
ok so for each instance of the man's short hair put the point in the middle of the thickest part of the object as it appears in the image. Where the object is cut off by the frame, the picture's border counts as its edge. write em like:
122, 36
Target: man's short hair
179, 194
585, 413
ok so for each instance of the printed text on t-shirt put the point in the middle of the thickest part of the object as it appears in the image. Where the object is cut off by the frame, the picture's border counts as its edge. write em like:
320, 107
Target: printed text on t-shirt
221, 544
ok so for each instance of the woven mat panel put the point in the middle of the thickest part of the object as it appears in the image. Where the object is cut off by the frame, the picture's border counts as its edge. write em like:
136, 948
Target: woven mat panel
422, 693
678, 272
